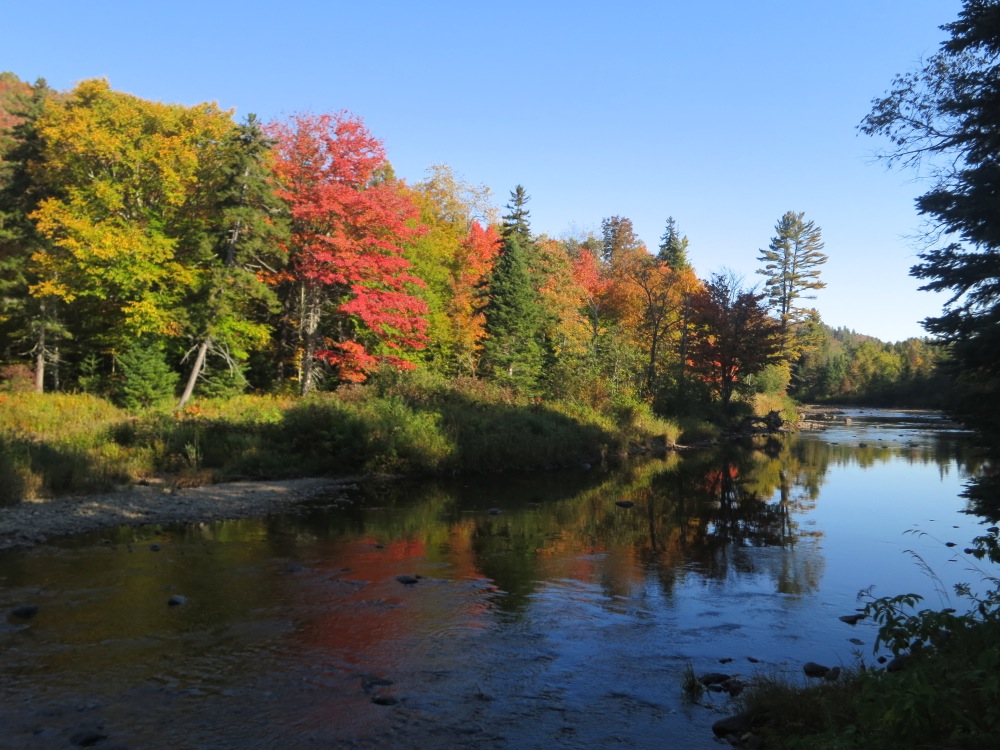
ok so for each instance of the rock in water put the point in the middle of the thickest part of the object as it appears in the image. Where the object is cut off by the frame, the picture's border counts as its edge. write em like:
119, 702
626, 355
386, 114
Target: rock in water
25, 611
176, 600
407, 580
812, 669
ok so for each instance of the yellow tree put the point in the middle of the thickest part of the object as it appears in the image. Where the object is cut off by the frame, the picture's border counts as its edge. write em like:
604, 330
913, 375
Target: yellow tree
453, 257
125, 174
648, 298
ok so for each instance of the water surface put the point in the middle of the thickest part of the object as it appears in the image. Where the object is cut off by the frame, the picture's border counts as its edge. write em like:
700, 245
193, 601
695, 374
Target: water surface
544, 614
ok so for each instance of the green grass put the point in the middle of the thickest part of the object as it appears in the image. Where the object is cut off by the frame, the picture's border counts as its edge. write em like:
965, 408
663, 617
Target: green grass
57, 444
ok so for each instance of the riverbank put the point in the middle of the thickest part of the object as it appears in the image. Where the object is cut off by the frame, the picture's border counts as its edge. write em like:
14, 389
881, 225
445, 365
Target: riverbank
28, 523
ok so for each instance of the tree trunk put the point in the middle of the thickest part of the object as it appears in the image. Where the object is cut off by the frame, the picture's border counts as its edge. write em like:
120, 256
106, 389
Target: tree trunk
199, 364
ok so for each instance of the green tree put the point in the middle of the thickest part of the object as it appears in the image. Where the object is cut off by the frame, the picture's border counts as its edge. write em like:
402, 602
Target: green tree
28, 325
946, 117
145, 378
512, 353
673, 247
791, 268
516, 221
243, 222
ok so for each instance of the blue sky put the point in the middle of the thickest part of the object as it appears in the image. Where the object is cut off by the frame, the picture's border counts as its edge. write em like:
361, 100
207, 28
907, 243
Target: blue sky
723, 115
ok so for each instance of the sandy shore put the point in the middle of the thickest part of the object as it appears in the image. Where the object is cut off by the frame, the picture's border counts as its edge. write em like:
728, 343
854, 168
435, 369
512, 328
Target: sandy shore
35, 521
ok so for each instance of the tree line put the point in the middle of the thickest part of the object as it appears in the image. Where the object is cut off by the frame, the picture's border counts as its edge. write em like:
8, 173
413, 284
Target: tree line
152, 250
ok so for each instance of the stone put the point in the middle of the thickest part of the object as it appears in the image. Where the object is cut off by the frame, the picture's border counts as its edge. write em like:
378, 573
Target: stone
87, 737
736, 725
408, 580
812, 669
25, 611
851, 619
176, 600
624, 503
713, 678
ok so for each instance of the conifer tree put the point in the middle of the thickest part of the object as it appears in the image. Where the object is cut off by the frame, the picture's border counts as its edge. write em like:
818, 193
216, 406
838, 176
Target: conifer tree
245, 221
28, 324
512, 354
673, 247
947, 116
791, 268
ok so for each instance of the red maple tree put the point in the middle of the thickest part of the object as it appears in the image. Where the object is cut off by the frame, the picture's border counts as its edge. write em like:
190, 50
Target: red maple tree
350, 221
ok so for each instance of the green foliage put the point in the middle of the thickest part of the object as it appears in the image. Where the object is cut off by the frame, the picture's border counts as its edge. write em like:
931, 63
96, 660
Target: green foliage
146, 379
948, 113
512, 352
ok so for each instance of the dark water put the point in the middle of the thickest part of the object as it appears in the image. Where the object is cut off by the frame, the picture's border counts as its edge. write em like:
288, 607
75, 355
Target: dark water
563, 621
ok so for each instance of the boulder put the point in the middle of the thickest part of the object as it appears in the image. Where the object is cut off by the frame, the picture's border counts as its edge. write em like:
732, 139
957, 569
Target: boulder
812, 669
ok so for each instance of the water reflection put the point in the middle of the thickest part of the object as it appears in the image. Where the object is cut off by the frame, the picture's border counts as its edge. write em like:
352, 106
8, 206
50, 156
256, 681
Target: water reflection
547, 610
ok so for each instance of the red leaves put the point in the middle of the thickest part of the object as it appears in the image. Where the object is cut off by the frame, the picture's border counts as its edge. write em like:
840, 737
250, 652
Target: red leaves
349, 226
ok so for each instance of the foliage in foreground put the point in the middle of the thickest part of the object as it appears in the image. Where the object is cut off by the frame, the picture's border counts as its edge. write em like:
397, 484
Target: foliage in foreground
63, 444
946, 696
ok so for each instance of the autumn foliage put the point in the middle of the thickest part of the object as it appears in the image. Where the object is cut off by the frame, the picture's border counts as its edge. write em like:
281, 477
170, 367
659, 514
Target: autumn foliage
349, 225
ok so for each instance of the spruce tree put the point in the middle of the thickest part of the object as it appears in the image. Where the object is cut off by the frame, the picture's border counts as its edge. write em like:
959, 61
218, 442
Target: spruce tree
512, 354
673, 247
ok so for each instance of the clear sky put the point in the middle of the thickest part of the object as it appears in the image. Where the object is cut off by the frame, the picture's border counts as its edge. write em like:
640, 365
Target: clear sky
723, 114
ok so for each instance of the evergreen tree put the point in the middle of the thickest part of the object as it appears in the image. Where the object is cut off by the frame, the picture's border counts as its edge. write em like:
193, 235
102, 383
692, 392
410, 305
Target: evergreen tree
948, 112
515, 221
512, 354
245, 220
27, 324
145, 377
673, 247
791, 268
618, 237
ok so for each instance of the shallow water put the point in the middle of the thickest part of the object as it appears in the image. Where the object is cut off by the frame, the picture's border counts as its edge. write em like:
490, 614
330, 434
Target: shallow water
545, 614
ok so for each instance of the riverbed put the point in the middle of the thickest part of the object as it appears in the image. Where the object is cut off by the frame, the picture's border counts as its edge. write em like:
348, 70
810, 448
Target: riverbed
550, 611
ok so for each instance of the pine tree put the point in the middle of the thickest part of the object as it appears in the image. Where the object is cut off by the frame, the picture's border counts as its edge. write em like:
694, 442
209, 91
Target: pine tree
948, 114
673, 247
512, 354
27, 324
515, 221
618, 237
791, 268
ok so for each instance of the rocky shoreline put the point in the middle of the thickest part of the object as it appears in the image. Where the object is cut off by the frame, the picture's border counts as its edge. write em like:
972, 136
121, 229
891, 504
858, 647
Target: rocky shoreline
32, 522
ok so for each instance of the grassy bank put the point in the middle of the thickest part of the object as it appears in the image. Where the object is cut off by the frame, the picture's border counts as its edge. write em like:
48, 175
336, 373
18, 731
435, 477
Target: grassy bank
941, 689
55, 444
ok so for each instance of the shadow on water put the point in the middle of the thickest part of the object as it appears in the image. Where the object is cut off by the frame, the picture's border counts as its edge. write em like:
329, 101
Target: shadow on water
555, 610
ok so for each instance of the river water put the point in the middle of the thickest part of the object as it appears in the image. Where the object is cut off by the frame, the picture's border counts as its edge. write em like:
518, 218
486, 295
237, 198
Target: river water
551, 611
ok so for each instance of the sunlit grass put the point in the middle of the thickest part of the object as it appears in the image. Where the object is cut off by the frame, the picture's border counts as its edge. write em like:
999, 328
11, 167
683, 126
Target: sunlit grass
55, 444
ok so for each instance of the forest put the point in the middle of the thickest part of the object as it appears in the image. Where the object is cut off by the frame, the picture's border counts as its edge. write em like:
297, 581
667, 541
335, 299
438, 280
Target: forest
151, 253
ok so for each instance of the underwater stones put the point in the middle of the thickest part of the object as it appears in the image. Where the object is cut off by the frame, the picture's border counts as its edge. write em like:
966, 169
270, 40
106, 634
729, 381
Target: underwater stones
24, 611
408, 580
812, 669
851, 619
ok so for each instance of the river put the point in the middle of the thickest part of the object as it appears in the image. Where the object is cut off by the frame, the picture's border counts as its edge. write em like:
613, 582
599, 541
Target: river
548, 611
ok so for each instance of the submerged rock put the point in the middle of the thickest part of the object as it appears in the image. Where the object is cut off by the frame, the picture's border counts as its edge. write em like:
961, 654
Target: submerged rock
713, 678
851, 619
25, 611
408, 580
812, 669
176, 600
